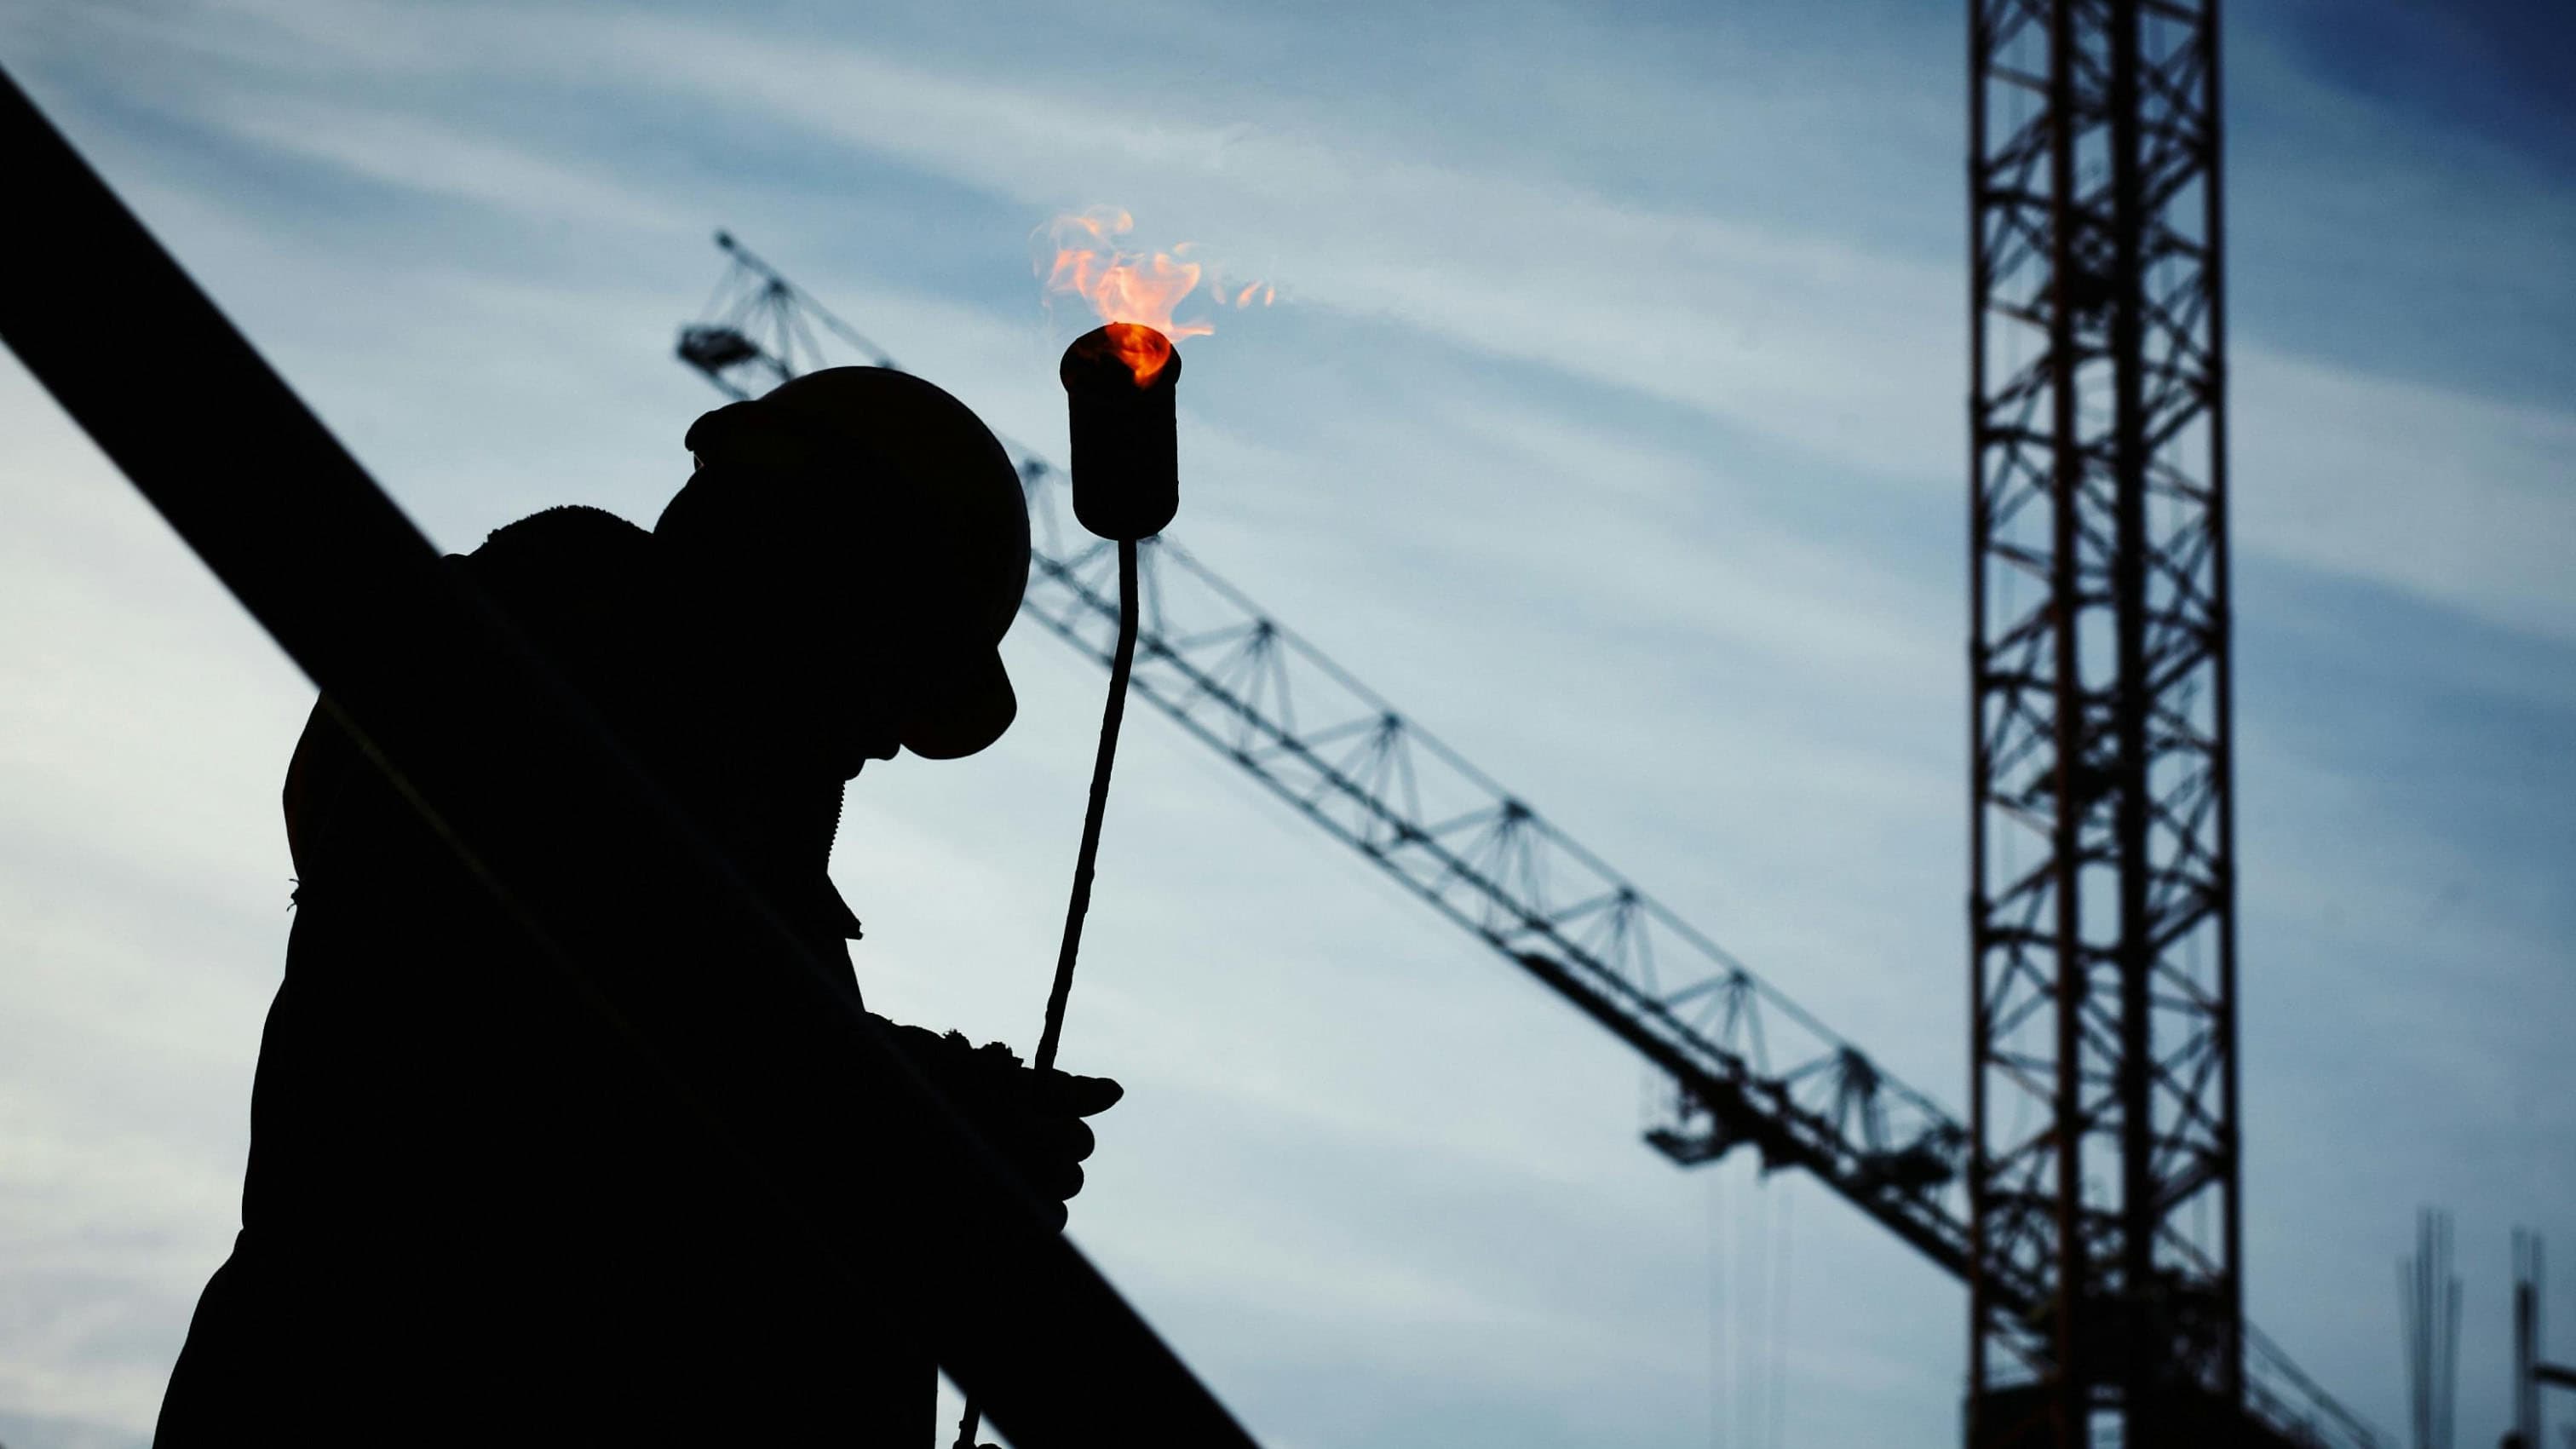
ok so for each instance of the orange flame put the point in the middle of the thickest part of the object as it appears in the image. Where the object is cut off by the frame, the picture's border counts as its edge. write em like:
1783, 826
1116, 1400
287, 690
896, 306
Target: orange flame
1135, 286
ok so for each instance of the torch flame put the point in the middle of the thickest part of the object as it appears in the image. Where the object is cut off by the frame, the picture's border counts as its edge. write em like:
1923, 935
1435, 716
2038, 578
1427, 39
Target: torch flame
1135, 286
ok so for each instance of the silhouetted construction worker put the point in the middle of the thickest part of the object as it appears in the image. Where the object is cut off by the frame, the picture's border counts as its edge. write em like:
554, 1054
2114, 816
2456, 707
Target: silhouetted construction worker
471, 1215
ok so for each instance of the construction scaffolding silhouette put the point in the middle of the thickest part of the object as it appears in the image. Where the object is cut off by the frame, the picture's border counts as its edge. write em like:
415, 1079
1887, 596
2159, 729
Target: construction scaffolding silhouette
2428, 1297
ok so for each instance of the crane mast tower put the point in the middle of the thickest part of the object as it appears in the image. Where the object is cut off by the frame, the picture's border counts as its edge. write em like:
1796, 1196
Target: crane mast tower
2104, 1106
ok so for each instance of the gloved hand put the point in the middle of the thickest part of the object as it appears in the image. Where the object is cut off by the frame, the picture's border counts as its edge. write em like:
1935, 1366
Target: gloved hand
1033, 1119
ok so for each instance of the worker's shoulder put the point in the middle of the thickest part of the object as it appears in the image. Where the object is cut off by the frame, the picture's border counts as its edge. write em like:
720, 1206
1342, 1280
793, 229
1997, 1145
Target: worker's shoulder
574, 552
576, 577
574, 535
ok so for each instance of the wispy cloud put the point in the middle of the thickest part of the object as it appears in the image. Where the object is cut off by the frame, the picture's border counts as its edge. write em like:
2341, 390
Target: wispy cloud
141, 892
442, 160
2456, 499
1800, 337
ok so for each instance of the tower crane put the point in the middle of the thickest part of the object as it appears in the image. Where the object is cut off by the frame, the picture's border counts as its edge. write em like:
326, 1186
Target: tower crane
1746, 1066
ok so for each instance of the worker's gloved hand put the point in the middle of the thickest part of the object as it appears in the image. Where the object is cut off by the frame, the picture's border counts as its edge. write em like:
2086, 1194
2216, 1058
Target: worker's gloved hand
1033, 1119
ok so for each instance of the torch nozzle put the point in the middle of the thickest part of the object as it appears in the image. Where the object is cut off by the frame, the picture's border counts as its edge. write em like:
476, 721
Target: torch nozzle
1119, 383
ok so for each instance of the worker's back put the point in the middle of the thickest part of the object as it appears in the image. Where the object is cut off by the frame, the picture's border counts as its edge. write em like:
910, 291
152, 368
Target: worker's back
470, 1211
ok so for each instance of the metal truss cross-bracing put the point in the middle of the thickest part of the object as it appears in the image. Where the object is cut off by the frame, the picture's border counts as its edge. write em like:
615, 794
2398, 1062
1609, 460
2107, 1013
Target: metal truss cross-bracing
2105, 1214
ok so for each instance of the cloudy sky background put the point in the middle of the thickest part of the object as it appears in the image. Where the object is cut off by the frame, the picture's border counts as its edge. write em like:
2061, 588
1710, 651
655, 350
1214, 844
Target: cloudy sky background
1610, 423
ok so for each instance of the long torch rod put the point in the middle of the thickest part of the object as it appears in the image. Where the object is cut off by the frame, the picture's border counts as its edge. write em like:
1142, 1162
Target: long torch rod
1118, 384
1121, 661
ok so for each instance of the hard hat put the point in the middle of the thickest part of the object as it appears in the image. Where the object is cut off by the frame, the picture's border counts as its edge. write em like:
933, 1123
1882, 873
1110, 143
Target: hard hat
883, 456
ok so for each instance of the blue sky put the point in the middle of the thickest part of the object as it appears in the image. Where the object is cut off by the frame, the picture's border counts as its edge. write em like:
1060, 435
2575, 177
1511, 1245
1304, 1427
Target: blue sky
1610, 422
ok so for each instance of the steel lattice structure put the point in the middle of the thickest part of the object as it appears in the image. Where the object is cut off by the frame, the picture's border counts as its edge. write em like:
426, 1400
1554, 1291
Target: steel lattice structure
2104, 1189
1746, 1064
760, 329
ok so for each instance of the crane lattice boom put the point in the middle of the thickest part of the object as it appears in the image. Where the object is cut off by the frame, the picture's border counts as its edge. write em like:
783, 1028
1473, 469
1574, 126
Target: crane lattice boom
1748, 1066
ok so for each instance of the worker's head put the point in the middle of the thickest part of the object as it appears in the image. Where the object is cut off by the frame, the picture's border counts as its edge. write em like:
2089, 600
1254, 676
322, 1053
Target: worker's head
858, 540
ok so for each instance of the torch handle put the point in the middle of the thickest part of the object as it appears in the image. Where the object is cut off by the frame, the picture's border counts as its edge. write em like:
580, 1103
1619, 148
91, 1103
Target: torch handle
1121, 661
